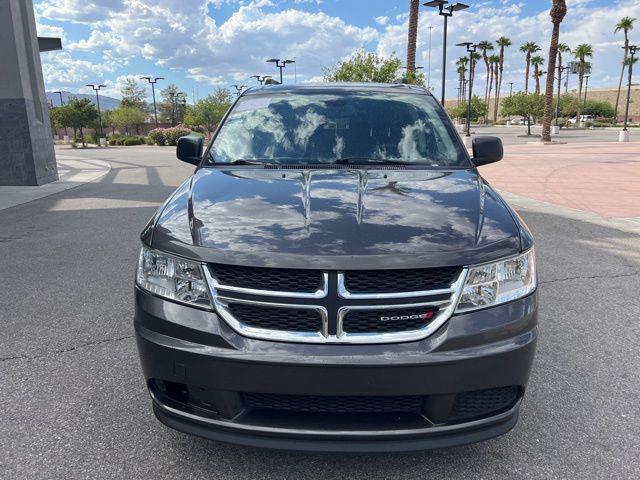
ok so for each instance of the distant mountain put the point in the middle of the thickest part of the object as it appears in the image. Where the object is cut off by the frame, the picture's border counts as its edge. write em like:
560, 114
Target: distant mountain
106, 103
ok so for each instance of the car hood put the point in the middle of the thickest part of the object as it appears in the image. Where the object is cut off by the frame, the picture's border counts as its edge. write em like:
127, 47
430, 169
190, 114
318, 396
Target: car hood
336, 218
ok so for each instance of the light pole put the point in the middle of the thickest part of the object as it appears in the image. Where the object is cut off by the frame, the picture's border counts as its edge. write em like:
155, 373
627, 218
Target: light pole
632, 52
430, 27
586, 88
471, 49
561, 70
97, 88
60, 93
239, 89
446, 10
280, 64
261, 79
510, 89
62, 104
153, 82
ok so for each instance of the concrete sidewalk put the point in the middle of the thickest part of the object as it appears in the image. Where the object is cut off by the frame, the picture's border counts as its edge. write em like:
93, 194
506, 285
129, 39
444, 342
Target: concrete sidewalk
73, 171
595, 182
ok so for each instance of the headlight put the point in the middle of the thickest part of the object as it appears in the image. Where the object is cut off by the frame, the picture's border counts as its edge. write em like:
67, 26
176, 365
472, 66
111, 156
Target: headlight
499, 282
173, 278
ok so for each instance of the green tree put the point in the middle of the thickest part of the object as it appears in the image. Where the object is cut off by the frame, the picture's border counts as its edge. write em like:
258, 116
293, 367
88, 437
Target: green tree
81, 114
107, 120
478, 109
59, 117
126, 118
527, 106
365, 66
208, 111
172, 107
133, 95
598, 109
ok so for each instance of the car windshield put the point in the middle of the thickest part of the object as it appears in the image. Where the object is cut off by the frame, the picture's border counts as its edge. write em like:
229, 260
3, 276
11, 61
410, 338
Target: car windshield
349, 127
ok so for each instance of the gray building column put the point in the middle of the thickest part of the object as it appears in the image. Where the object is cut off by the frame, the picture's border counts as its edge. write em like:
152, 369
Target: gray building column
26, 143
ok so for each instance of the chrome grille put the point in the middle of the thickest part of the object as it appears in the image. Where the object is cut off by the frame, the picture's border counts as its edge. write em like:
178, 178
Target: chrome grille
332, 313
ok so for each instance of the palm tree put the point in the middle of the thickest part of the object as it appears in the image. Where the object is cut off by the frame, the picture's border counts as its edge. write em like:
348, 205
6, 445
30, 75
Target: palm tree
581, 53
625, 25
485, 46
502, 42
562, 48
475, 58
557, 13
536, 62
494, 60
461, 63
528, 48
414, 8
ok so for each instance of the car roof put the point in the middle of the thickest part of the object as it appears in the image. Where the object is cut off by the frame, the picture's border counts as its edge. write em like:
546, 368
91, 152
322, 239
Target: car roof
337, 87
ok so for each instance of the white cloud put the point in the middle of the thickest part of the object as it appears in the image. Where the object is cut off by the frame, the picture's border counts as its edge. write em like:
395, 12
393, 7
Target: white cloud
382, 20
182, 36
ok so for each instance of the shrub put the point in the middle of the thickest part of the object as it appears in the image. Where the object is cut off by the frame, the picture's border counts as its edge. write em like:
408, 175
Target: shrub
149, 141
173, 134
129, 141
157, 135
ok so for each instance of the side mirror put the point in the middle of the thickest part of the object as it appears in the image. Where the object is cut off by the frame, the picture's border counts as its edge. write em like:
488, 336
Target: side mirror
189, 149
487, 150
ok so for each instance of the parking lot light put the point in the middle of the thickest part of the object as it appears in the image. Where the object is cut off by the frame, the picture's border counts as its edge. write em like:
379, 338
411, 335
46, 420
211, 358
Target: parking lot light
445, 10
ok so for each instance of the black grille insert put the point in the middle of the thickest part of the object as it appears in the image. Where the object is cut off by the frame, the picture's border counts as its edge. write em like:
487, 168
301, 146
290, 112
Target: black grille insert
333, 404
387, 321
482, 403
274, 279
394, 281
272, 318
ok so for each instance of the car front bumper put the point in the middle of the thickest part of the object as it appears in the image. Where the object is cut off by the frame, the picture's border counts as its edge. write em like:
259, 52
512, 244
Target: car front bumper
200, 374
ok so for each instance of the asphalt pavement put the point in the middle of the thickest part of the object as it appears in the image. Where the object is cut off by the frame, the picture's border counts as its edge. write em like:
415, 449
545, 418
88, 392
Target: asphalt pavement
74, 404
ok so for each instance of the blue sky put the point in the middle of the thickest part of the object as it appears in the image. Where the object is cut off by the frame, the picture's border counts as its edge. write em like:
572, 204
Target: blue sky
201, 44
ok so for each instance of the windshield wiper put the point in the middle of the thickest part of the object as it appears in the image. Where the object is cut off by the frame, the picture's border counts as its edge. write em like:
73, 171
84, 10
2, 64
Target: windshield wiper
368, 161
247, 162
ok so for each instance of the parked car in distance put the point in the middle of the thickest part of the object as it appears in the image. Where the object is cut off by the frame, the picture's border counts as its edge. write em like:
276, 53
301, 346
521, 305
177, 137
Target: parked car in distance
337, 276
583, 118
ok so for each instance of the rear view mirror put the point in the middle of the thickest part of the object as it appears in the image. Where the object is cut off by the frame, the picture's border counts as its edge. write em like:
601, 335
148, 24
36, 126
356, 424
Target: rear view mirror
487, 150
189, 149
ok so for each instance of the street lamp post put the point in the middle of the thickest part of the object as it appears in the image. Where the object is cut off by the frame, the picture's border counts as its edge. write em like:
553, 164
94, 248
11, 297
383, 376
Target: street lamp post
239, 89
97, 88
261, 79
586, 88
471, 49
153, 82
60, 93
624, 135
66, 133
510, 89
561, 70
445, 10
280, 64
430, 27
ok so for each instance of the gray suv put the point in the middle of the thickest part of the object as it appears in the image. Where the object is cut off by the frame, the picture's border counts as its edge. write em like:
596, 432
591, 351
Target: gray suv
337, 276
